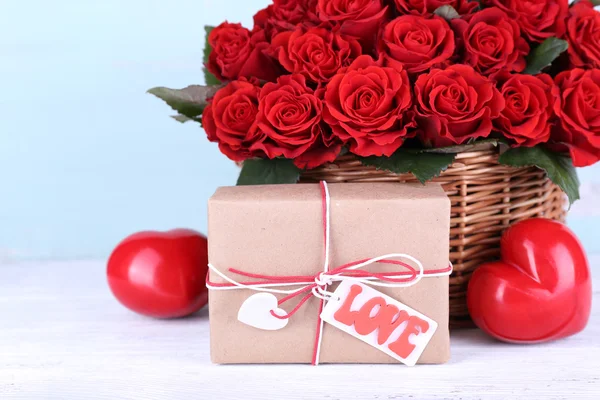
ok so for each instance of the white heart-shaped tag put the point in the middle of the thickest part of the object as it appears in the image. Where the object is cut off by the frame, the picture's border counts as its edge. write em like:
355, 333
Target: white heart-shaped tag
256, 312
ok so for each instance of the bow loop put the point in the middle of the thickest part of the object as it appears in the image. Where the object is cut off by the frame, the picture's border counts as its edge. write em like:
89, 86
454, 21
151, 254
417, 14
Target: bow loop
323, 279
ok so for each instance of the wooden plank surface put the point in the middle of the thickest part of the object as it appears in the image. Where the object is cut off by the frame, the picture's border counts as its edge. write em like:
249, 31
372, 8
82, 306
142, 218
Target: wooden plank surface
63, 336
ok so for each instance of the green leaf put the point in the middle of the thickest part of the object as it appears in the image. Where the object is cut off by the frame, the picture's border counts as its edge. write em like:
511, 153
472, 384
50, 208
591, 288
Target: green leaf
559, 167
268, 172
543, 55
424, 166
190, 101
183, 119
462, 147
209, 78
447, 12
594, 2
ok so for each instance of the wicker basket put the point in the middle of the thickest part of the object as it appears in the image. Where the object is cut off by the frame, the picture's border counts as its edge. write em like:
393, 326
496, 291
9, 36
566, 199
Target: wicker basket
486, 198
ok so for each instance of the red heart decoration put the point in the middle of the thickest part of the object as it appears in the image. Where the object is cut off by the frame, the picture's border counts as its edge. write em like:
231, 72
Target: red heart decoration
160, 274
540, 291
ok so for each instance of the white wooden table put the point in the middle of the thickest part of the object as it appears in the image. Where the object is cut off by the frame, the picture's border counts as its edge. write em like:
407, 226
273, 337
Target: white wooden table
63, 336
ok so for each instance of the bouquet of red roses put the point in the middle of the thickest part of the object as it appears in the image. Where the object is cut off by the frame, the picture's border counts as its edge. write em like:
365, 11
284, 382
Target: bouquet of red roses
395, 82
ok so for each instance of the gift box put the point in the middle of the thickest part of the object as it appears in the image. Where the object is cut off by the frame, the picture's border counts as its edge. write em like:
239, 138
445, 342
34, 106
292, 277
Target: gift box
344, 273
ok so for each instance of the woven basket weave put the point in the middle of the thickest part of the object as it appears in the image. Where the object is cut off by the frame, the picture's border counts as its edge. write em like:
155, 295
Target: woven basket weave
486, 198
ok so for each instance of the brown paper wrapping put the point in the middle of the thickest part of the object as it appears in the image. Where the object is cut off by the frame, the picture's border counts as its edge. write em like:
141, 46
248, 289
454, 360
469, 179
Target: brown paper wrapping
277, 230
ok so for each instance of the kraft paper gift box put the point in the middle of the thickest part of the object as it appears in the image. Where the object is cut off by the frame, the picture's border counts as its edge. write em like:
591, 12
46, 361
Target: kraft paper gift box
278, 230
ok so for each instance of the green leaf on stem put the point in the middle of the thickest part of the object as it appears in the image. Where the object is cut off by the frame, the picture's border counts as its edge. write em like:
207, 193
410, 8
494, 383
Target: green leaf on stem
209, 78
543, 55
559, 167
189, 102
447, 12
268, 172
424, 166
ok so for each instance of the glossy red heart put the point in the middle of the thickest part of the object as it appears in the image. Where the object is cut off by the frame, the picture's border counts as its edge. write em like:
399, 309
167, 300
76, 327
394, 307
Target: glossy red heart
160, 274
541, 290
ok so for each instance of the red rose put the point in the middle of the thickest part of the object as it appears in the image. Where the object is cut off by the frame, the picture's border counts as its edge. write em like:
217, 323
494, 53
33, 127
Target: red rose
236, 53
230, 119
426, 7
492, 41
366, 103
526, 119
325, 149
417, 42
583, 35
285, 15
265, 21
290, 118
316, 53
538, 19
578, 110
358, 18
454, 105
294, 11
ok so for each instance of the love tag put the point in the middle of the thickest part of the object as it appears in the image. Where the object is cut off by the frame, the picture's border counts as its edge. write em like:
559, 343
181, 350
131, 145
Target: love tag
379, 320
256, 312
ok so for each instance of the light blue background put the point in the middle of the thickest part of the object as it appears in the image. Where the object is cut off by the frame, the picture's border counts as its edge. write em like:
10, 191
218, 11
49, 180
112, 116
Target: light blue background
86, 157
